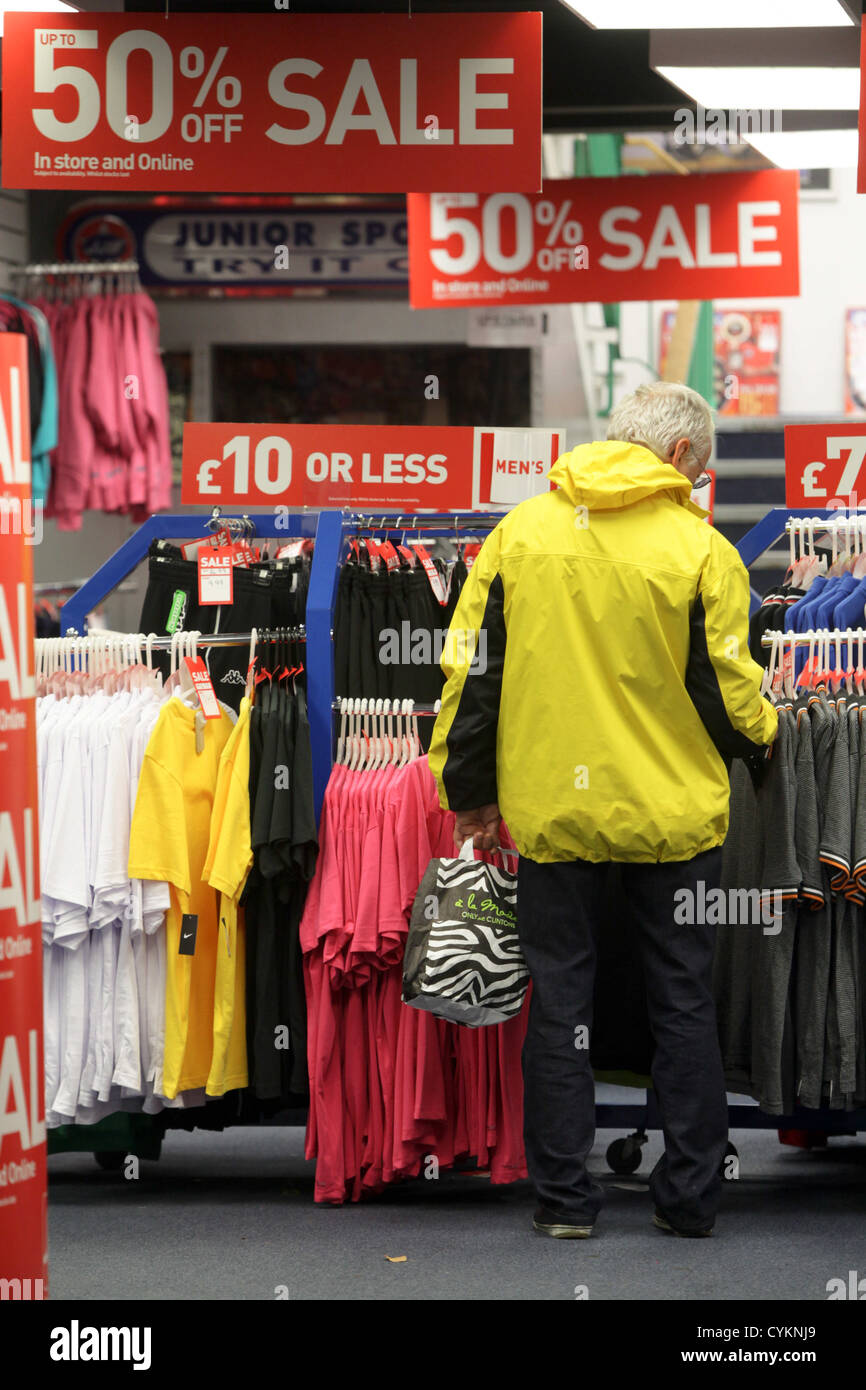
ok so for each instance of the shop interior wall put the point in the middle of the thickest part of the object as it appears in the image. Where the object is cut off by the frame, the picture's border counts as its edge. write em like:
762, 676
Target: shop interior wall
833, 279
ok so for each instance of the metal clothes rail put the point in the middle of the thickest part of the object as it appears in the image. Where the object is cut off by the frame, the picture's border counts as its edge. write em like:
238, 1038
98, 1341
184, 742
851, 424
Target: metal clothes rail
770, 530
78, 268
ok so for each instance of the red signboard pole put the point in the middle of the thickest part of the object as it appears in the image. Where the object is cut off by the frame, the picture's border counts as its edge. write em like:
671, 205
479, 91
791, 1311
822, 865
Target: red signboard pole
23, 1201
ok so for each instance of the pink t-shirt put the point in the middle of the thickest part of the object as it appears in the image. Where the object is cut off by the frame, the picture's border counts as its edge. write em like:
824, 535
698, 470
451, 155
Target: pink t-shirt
391, 1085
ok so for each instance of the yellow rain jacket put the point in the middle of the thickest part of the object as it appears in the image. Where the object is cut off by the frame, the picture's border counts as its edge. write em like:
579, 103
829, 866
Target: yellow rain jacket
599, 676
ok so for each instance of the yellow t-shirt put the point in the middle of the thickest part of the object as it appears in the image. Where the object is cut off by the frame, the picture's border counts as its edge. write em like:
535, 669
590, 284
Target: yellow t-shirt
169, 842
229, 860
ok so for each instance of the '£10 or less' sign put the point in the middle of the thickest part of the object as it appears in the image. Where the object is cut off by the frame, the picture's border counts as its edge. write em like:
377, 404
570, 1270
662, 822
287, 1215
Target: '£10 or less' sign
824, 466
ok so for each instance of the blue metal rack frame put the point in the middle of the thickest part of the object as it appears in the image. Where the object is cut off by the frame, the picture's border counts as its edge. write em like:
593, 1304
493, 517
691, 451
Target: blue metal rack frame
770, 529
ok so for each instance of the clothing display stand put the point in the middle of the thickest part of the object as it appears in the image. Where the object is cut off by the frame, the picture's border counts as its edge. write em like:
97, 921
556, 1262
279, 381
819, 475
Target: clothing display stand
332, 531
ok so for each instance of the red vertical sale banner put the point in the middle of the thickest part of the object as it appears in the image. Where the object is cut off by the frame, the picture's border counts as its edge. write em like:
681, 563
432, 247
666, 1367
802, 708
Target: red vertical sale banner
23, 1220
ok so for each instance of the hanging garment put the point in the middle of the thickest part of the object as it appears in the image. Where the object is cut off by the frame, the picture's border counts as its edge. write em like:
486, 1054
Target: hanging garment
284, 847
17, 316
617, 550
266, 595
771, 616
169, 841
113, 449
790, 980
147, 842
392, 612
392, 1088
228, 862
103, 958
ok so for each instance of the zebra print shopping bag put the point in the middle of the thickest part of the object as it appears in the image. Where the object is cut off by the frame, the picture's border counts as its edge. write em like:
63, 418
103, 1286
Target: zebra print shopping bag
463, 960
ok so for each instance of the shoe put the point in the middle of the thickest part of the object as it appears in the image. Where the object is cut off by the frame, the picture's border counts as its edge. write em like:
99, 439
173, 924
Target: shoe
549, 1224
664, 1225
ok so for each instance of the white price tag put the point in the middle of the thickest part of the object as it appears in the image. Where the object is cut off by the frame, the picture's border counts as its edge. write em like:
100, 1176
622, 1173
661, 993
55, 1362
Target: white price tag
215, 577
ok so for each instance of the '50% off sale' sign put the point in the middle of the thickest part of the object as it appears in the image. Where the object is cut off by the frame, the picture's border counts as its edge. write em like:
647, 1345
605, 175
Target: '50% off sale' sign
634, 238
265, 102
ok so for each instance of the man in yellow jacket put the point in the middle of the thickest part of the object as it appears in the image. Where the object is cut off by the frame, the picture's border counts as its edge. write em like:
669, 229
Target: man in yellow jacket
615, 688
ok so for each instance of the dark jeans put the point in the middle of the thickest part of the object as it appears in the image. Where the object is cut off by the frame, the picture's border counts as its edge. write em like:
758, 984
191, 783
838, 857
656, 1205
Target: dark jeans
560, 912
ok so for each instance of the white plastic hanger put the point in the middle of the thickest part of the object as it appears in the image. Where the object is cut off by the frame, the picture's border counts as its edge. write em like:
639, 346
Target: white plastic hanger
341, 738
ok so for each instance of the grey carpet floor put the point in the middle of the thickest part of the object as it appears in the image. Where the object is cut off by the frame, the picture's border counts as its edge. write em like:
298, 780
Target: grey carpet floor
231, 1216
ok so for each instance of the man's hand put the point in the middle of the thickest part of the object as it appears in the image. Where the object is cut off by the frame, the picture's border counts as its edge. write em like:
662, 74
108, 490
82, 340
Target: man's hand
482, 826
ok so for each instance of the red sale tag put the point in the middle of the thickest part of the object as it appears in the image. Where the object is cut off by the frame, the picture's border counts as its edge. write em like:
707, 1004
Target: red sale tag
432, 573
200, 677
215, 576
389, 555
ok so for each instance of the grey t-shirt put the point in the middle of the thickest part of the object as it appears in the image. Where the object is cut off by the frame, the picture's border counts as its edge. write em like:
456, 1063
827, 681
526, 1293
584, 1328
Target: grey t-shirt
814, 945
859, 850
773, 1058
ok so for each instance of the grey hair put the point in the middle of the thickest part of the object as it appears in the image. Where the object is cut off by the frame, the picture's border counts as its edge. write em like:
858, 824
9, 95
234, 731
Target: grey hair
659, 414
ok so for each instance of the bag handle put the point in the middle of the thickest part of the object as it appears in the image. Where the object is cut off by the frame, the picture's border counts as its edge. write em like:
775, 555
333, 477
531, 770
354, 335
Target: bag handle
467, 850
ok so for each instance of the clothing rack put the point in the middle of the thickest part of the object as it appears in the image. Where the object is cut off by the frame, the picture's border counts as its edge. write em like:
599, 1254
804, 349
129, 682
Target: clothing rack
77, 268
766, 533
773, 527
422, 711
332, 532
213, 639
836, 636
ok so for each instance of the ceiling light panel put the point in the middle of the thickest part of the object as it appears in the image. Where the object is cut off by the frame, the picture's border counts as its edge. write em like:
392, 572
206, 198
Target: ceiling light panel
774, 89
808, 149
734, 14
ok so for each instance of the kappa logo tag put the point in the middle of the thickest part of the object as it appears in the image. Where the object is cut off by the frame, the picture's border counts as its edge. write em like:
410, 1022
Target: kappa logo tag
232, 677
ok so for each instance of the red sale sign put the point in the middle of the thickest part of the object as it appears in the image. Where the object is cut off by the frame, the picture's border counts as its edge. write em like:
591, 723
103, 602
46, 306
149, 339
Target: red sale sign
23, 1204
825, 465
579, 240
266, 102
408, 467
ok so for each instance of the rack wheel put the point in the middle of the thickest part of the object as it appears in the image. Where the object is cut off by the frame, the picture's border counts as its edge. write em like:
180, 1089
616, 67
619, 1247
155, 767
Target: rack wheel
730, 1152
110, 1160
624, 1155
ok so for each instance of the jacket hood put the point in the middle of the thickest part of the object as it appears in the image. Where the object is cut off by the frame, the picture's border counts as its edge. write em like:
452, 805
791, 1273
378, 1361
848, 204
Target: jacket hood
609, 473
